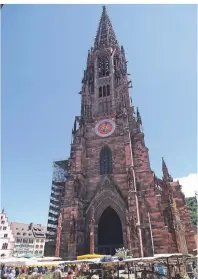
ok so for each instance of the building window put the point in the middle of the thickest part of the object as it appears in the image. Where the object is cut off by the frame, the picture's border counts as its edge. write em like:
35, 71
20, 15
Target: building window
5, 246
4, 228
37, 240
41, 246
5, 235
18, 233
103, 67
107, 67
42, 240
37, 246
0, 227
18, 240
40, 252
24, 234
108, 90
104, 91
100, 92
105, 161
1, 217
25, 240
2, 222
36, 252
30, 240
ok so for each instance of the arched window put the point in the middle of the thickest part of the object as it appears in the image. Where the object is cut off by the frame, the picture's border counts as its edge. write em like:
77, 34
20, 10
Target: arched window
106, 67
105, 161
104, 91
115, 63
100, 68
100, 92
108, 90
103, 67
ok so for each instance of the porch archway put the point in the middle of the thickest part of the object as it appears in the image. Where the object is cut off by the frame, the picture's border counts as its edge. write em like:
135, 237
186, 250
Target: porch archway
110, 234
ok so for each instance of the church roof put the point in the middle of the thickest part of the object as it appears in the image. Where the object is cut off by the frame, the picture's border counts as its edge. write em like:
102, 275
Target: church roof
105, 36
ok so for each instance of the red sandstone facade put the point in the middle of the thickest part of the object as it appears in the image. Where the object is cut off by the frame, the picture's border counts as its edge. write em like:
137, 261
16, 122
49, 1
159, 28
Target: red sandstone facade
109, 168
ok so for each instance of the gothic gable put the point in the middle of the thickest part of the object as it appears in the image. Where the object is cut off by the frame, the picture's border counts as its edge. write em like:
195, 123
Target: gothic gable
107, 189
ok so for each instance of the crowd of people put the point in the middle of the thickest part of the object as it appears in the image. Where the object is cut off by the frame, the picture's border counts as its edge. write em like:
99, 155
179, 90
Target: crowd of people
58, 272
73, 271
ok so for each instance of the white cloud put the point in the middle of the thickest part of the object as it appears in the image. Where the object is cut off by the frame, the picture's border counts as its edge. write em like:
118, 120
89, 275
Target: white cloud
189, 184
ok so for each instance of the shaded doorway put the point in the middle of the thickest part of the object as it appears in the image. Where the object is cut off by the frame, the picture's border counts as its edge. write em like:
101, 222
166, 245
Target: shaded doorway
110, 236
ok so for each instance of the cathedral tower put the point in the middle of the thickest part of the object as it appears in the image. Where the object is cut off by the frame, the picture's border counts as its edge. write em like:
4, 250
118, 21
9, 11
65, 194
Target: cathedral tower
112, 198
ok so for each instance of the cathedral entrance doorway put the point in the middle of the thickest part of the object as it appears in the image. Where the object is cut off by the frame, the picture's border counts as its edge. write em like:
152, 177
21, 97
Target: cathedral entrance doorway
110, 236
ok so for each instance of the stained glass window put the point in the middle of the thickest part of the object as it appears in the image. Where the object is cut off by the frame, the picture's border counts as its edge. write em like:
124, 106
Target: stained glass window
105, 161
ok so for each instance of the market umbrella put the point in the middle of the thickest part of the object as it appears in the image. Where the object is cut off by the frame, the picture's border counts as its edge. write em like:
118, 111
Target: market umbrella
89, 256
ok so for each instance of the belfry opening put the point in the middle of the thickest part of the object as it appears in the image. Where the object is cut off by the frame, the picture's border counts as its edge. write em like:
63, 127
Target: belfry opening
110, 236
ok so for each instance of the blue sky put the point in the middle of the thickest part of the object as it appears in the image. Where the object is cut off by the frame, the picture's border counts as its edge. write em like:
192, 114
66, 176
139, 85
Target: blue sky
44, 51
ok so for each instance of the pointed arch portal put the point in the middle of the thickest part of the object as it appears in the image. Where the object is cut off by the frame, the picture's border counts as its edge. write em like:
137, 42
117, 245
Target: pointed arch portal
110, 236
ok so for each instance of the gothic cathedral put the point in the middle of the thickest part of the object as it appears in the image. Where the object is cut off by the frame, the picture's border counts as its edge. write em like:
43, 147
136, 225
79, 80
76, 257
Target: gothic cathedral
112, 198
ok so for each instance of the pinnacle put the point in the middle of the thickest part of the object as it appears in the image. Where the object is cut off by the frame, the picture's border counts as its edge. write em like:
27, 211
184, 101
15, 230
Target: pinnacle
105, 36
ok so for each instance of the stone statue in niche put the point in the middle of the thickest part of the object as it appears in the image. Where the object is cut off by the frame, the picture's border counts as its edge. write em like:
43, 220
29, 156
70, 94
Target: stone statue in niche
73, 230
130, 179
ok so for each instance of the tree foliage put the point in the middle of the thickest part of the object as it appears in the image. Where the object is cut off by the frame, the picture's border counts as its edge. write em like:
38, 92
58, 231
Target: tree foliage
192, 208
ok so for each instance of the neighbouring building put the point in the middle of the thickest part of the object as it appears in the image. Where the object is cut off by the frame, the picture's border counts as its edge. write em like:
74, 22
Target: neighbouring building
6, 237
112, 198
29, 239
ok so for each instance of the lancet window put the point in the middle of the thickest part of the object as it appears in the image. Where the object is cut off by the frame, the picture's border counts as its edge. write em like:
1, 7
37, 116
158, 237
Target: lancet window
103, 67
105, 161
104, 91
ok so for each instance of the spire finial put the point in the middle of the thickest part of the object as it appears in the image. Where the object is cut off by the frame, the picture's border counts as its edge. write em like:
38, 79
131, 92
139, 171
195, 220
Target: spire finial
105, 36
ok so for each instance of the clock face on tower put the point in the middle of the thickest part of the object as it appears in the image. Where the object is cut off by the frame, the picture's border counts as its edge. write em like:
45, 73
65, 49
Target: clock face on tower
105, 128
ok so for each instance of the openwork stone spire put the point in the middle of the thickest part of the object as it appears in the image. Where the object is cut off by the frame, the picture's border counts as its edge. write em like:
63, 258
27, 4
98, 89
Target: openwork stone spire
105, 36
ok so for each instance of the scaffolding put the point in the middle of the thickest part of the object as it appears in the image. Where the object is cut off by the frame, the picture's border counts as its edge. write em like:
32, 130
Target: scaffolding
60, 176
